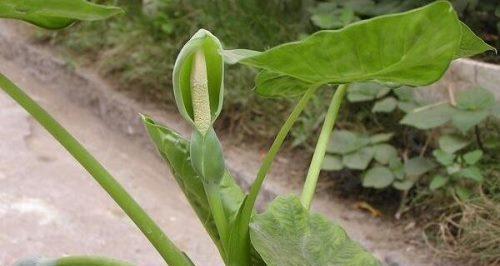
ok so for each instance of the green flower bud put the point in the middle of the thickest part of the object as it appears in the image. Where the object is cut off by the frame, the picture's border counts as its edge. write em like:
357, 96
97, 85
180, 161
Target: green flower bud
206, 156
198, 80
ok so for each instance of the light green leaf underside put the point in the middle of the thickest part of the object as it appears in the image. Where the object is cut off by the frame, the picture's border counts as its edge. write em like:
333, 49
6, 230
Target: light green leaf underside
55, 14
175, 150
288, 235
413, 48
269, 84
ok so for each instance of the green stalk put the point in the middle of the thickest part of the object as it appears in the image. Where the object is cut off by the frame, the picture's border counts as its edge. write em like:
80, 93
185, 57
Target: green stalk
242, 242
319, 152
276, 146
170, 253
215, 202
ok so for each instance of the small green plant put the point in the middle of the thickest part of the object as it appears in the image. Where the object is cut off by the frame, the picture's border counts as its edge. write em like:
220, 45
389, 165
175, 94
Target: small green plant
470, 109
457, 171
380, 162
408, 49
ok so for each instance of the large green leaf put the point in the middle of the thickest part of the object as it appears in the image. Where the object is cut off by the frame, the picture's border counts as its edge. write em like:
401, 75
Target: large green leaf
288, 235
413, 48
175, 150
55, 14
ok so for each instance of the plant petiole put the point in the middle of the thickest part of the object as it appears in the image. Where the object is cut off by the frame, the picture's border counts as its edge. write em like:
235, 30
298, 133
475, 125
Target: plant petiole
320, 150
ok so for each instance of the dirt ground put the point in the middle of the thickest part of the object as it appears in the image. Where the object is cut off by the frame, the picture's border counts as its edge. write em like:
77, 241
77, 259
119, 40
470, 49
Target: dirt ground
49, 206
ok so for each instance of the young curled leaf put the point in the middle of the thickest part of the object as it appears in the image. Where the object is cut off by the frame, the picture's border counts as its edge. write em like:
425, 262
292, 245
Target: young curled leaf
198, 80
55, 14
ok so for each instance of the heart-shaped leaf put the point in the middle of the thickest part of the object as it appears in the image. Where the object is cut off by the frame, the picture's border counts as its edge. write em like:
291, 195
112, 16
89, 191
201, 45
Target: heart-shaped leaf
410, 48
287, 234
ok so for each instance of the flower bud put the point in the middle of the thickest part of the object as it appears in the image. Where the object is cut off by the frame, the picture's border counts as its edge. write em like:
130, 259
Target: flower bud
198, 80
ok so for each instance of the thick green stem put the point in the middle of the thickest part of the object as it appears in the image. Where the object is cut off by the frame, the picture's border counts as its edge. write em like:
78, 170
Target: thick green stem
171, 254
319, 152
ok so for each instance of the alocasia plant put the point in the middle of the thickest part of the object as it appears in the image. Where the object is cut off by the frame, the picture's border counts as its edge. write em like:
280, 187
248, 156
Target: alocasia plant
413, 48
